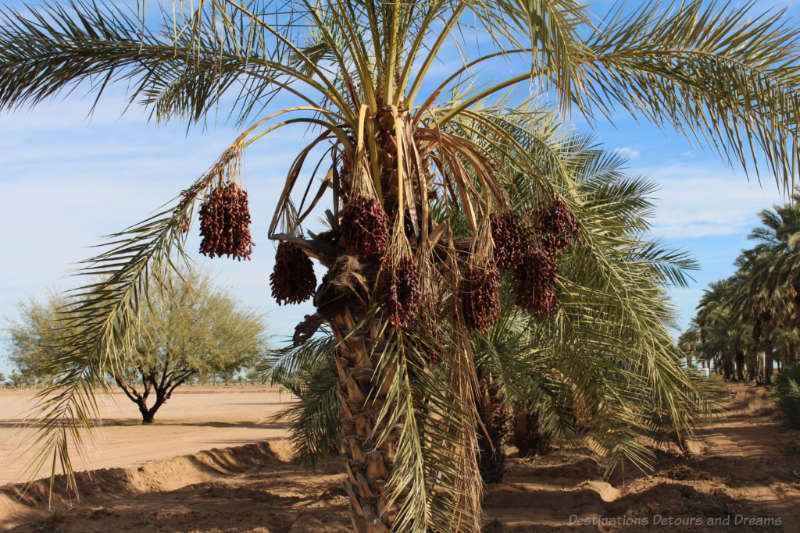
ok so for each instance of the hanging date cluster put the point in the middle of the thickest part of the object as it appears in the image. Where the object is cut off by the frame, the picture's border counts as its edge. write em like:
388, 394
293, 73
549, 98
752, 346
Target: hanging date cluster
365, 227
365, 234
510, 240
478, 294
399, 290
556, 227
534, 268
292, 280
535, 278
225, 223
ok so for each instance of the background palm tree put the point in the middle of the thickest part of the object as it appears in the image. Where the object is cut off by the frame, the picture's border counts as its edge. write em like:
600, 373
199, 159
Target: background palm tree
723, 332
758, 304
778, 242
392, 139
689, 341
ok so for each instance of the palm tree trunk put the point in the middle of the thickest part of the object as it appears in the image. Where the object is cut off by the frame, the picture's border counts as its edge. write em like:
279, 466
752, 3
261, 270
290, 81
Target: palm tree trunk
727, 368
796, 301
739, 365
367, 466
528, 436
768, 353
491, 452
752, 359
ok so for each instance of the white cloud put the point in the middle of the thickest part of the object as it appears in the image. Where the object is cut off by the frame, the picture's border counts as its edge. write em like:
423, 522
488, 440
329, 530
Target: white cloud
627, 152
702, 202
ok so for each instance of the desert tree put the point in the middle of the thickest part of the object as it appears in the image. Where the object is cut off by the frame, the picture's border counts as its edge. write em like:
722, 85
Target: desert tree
34, 336
191, 329
390, 136
188, 329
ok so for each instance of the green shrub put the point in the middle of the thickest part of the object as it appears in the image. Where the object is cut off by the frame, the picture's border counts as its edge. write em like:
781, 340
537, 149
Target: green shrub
787, 393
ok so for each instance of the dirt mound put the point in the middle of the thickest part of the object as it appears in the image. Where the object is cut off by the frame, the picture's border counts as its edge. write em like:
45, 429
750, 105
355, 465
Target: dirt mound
203, 473
170, 474
744, 475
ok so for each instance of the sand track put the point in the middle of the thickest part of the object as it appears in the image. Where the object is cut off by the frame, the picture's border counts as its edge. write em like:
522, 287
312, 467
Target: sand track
746, 465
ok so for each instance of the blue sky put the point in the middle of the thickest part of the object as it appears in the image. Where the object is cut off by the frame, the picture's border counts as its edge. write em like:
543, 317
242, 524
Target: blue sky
67, 179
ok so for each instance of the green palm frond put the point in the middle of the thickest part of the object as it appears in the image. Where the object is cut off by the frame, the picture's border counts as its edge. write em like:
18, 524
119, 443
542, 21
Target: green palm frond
728, 80
180, 77
309, 372
102, 318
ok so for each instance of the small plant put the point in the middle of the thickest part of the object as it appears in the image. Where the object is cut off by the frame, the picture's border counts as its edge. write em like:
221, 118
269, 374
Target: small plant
787, 394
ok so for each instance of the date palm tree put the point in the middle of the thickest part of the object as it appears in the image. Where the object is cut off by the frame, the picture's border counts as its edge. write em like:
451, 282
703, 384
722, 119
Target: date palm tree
751, 302
760, 301
723, 332
407, 144
770, 275
778, 243
625, 377
688, 342
590, 367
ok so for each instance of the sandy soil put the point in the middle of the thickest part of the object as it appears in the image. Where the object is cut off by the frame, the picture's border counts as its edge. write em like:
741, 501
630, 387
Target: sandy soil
191, 421
745, 464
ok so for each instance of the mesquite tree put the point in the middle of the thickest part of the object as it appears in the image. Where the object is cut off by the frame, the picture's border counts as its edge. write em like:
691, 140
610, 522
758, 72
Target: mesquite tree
188, 329
400, 147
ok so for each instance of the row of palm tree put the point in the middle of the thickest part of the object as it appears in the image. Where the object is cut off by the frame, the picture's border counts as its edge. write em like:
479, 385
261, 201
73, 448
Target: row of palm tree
757, 309
430, 155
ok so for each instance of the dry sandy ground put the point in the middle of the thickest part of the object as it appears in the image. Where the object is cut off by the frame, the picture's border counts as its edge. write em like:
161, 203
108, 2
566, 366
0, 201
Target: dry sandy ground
191, 421
746, 465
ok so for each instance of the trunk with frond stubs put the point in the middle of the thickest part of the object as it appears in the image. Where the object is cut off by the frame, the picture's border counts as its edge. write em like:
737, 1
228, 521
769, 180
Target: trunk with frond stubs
491, 434
752, 358
769, 357
796, 301
368, 466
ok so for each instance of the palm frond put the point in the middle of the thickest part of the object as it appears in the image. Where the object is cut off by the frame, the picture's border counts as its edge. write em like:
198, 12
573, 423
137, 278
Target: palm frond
309, 372
104, 315
723, 78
